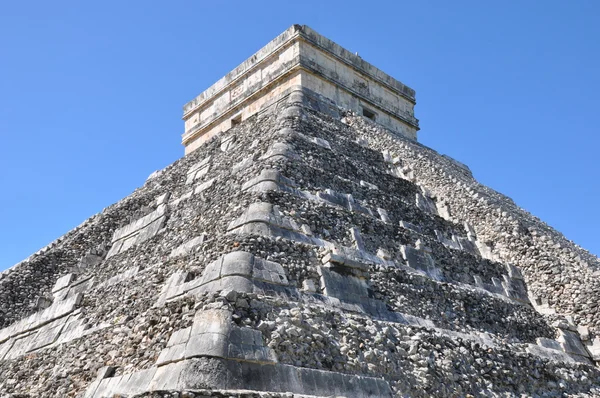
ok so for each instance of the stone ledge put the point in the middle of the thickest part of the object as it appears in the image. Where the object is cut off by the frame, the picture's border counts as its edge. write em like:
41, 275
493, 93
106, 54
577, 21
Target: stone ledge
217, 374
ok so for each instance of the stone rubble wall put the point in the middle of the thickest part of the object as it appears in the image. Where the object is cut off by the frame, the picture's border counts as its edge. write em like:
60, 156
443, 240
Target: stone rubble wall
288, 257
561, 276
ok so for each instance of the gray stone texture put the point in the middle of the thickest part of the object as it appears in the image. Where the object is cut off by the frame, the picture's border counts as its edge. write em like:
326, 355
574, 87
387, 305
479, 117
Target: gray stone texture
317, 284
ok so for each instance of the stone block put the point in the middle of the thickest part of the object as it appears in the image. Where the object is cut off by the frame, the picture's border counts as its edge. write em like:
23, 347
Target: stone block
242, 165
593, 349
412, 227
138, 231
237, 263
322, 142
467, 245
63, 282
426, 204
171, 353
513, 271
212, 321
280, 150
343, 287
227, 143
137, 382
571, 343
179, 337
549, 343
5, 348
269, 271
383, 214
198, 170
207, 345
109, 387
163, 199
186, 247
46, 335
204, 186
167, 377
548, 353
357, 238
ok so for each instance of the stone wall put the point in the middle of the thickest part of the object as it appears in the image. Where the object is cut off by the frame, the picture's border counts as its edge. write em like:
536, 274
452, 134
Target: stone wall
299, 57
296, 254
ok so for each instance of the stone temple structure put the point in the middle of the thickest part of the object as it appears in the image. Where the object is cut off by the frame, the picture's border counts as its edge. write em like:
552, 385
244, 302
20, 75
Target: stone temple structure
306, 246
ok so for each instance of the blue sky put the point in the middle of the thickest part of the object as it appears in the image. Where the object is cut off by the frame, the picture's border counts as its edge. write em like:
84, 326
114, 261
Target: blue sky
91, 95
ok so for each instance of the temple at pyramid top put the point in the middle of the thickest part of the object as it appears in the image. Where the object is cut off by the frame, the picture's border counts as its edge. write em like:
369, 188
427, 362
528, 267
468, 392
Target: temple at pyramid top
299, 57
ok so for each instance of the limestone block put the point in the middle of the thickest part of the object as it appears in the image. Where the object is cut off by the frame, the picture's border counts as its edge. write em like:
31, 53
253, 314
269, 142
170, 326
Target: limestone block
183, 197
571, 343
266, 176
593, 349
20, 346
242, 165
262, 213
207, 344
137, 382
63, 282
321, 142
347, 257
138, 231
334, 197
343, 287
412, 227
162, 199
269, 271
467, 245
236, 263
5, 348
179, 337
46, 335
357, 238
387, 156
584, 332
426, 204
355, 206
198, 170
515, 289
171, 354
549, 343
443, 211
420, 260
552, 354
513, 271
383, 214
57, 310
204, 186
227, 143
42, 303
186, 247
236, 271
212, 321
172, 287
449, 243
280, 150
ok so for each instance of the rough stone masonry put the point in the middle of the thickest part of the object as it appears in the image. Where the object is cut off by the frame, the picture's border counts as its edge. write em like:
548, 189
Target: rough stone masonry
309, 248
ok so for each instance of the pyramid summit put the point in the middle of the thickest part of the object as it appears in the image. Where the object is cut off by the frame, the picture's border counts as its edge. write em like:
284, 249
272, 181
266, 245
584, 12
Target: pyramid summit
306, 246
299, 58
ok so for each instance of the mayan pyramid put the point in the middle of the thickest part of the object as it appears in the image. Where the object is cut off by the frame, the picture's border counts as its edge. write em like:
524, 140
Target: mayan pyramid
305, 245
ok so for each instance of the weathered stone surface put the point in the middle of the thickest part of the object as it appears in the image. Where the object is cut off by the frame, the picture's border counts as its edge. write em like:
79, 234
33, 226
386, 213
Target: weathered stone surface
307, 251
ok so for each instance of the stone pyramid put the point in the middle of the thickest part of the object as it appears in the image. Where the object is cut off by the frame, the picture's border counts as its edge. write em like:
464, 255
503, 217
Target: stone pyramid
302, 249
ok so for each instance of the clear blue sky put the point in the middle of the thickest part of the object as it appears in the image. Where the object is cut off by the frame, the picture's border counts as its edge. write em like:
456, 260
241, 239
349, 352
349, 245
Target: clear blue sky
91, 95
